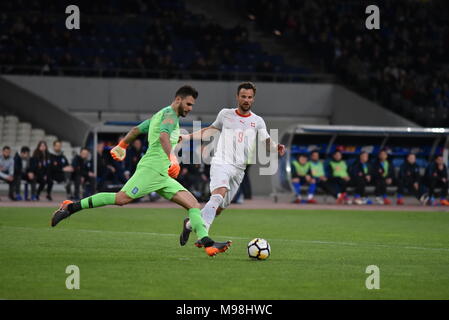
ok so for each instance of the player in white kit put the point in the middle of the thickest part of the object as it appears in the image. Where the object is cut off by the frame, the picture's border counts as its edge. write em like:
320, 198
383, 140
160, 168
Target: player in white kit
239, 130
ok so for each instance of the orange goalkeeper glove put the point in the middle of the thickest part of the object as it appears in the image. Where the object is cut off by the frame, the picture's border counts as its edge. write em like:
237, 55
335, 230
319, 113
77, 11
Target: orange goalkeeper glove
118, 153
175, 168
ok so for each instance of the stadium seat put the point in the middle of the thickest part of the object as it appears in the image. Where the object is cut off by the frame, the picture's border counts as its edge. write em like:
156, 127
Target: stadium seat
24, 133
24, 126
23, 143
37, 133
11, 119
8, 141
68, 152
50, 139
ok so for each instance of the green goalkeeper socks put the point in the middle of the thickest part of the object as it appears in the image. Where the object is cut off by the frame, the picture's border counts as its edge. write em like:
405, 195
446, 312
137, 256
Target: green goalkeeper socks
98, 200
197, 223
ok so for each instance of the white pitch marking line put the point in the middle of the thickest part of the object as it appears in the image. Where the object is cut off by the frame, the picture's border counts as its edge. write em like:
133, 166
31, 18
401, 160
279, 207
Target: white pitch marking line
241, 238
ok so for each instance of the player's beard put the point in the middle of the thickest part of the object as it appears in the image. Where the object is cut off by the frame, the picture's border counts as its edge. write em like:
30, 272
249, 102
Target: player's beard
245, 108
182, 112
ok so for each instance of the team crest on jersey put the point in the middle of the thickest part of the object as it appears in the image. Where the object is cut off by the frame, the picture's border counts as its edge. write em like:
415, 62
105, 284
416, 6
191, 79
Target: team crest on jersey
253, 124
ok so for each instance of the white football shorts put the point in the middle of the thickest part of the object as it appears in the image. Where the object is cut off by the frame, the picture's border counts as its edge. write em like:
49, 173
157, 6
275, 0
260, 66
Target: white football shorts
228, 176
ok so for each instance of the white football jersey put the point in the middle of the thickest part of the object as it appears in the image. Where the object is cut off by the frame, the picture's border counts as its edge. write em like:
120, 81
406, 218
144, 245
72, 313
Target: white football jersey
238, 138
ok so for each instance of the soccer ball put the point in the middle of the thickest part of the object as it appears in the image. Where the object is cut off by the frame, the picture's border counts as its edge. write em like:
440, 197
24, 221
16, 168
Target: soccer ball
259, 249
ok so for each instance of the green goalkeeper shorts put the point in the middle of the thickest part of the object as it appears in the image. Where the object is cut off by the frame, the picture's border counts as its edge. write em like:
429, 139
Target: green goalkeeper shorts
146, 180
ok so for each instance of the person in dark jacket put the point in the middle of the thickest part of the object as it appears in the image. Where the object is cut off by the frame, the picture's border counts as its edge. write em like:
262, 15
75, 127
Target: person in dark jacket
22, 172
60, 169
436, 177
133, 156
361, 176
383, 174
7, 170
105, 168
40, 166
83, 174
409, 179
119, 176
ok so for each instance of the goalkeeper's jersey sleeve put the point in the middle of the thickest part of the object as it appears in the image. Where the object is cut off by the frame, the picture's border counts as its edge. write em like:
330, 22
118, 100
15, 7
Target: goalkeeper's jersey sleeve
144, 126
166, 120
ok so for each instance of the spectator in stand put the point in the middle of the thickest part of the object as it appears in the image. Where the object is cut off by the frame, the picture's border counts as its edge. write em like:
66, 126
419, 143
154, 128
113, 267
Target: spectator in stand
194, 179
133, 156
383, 174
338, 177
7, 170
246, 185
22, 172
83, 174
330, 31
185, 177
300, 176
409, 179
201, 182
60, 169
40, 166
119, 176
361, 173
436, 176
105, 170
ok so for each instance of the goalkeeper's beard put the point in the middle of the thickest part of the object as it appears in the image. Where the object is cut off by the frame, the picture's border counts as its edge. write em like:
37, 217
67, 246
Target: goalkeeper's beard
182, 112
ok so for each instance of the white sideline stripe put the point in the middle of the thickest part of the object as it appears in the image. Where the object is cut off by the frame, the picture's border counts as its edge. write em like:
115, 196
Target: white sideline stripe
354, 244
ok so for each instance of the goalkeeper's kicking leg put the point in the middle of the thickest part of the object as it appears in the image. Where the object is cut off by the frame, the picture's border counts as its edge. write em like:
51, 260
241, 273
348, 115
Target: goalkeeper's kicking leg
183, 198
68, 207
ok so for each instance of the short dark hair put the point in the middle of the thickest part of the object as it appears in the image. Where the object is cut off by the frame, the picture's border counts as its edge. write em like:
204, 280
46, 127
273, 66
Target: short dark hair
186, 91
314, 151
246, 85
56, 141
337, 151
25, 149
362, 152
6, 148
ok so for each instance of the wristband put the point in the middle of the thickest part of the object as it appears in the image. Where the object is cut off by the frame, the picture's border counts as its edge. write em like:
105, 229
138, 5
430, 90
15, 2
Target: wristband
123, 144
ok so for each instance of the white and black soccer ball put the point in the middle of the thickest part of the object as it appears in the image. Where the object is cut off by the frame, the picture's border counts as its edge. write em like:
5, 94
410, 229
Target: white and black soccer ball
259, 249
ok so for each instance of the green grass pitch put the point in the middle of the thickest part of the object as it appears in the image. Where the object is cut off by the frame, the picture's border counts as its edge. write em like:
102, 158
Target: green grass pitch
133, 253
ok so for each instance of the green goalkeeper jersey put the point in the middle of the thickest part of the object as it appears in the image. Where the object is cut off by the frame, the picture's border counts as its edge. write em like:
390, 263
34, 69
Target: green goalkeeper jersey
166, 120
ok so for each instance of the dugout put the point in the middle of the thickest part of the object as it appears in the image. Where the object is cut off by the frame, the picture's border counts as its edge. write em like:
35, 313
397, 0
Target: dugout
351, 140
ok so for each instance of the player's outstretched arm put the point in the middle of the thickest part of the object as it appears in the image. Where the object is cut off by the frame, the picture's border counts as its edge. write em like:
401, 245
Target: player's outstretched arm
118, 153
273, 146
204, 133
175, 168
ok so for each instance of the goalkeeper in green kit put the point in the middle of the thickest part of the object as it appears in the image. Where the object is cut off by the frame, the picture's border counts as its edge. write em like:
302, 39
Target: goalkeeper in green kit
155, 171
